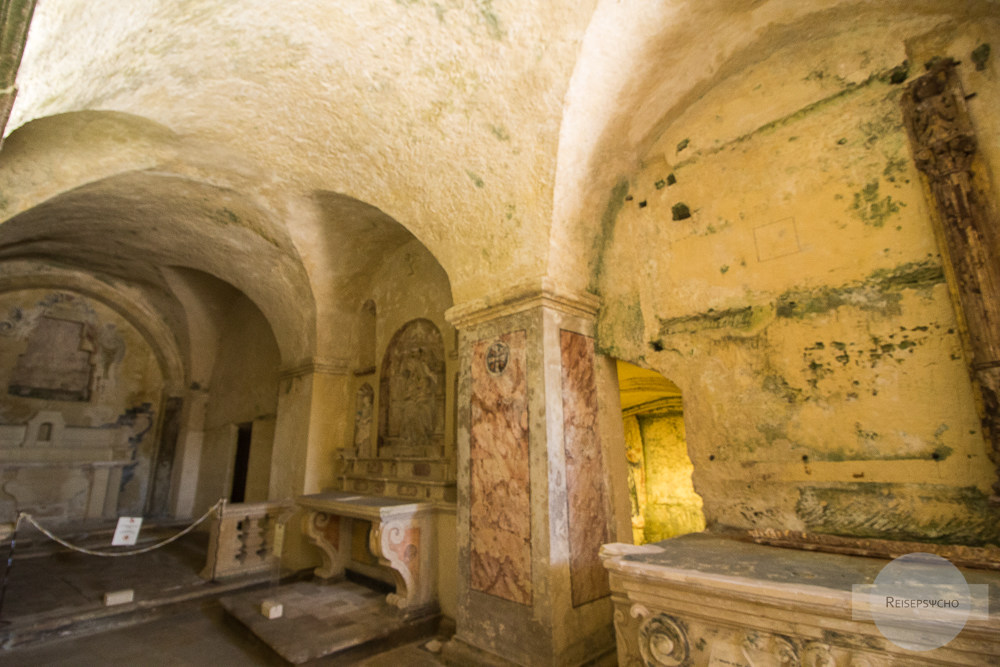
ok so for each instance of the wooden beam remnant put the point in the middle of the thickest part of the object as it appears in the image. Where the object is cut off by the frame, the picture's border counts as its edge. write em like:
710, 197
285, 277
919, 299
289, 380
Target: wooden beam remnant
944, 145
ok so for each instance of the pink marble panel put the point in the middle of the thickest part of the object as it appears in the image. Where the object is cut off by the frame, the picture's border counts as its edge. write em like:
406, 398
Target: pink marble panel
499, 494
586, 497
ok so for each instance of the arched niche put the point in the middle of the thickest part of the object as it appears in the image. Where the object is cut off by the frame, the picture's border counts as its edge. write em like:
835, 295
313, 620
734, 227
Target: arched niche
663, 501
412, 393
366, 338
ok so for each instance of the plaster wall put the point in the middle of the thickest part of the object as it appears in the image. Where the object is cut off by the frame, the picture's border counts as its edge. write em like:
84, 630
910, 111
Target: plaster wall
774, 255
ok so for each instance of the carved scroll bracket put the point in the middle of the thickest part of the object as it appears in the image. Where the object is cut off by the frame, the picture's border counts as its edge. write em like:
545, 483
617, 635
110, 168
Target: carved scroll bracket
401, 538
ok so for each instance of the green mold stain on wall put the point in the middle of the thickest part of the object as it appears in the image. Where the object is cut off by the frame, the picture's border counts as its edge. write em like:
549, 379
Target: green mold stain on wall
477, 181
928, 513
872, 209
742, 318
621, 327
606, 233
878, 292
490, 18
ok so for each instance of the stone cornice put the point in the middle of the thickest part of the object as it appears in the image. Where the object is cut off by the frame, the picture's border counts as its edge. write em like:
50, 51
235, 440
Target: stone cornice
520, 298
316, 365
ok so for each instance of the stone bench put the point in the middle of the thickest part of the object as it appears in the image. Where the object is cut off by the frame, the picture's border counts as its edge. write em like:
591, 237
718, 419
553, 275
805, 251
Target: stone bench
401, 538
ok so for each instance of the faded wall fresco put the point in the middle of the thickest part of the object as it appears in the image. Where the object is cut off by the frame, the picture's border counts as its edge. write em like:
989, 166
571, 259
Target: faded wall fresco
72, 357
499, 494
782, 268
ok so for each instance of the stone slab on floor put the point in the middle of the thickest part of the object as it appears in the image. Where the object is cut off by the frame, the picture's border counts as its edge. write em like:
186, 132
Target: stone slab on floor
321, 619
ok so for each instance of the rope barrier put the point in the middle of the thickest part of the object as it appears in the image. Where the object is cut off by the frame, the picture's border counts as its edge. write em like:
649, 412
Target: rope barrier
117, 554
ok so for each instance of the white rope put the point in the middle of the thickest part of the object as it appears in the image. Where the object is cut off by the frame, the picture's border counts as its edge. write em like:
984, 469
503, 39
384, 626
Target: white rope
116, 554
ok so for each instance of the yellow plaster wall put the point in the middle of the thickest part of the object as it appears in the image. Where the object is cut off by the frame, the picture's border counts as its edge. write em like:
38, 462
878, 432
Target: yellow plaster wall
672, 507
802, 307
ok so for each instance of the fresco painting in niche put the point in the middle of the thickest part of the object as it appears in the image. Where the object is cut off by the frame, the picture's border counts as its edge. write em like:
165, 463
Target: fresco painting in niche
412, 387
64, 353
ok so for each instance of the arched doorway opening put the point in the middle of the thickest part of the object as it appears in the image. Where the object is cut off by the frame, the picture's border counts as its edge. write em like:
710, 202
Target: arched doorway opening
663, 501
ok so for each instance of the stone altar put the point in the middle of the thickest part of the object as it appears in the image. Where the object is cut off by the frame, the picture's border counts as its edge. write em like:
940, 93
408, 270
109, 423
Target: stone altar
705, 600
401, 538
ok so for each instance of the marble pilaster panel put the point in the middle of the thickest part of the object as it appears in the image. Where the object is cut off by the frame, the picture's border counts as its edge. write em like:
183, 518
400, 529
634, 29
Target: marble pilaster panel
587, 504
530, 461
499, 494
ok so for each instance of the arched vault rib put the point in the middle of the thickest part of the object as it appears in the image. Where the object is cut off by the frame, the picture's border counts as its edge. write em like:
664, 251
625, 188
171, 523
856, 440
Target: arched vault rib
130, 225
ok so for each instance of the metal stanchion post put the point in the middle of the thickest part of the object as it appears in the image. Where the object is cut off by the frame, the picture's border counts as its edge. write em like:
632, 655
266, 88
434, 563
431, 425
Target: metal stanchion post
10, 564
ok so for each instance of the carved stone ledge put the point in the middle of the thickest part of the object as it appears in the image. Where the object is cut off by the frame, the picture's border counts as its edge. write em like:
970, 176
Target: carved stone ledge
706, 600
519, 298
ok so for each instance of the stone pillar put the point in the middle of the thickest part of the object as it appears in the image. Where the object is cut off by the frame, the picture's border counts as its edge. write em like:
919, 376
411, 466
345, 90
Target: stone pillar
536, 444
945, 149
315, 409
187, 459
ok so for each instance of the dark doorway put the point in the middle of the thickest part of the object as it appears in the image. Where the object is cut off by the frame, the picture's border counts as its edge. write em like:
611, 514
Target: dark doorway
242, 463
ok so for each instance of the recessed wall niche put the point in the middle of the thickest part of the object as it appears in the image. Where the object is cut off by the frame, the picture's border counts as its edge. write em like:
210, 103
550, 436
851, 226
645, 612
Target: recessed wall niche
91, 385
411, 393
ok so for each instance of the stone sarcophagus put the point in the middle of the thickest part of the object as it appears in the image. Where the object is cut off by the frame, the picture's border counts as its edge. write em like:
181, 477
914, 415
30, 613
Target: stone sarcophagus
704, 600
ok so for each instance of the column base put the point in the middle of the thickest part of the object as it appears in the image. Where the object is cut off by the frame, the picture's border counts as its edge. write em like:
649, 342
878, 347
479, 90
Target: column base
459, 653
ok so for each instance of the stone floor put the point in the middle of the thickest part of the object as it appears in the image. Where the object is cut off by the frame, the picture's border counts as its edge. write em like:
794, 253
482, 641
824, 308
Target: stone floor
194, 634
53, 614
321, 619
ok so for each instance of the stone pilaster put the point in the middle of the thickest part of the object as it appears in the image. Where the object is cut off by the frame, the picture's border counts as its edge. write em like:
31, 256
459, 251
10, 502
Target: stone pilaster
314, 411
535, 503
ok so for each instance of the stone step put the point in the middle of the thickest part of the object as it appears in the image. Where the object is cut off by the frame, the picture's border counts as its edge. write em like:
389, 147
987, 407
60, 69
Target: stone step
343, 621
416, 469
394, 487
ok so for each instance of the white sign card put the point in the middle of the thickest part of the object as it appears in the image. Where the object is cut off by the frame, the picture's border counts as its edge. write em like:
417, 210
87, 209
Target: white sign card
127, 531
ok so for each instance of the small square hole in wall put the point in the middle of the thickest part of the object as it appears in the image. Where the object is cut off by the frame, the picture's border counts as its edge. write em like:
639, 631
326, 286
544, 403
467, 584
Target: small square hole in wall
776, 239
